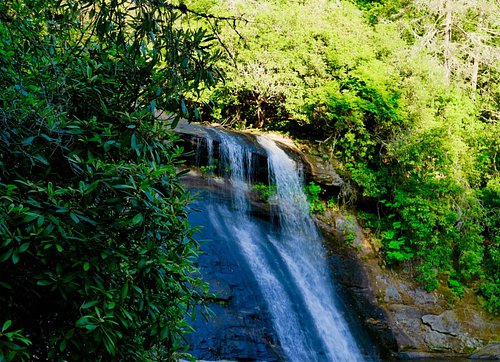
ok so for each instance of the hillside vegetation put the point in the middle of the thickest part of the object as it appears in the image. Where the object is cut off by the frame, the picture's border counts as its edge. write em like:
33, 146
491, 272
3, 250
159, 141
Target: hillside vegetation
403, 96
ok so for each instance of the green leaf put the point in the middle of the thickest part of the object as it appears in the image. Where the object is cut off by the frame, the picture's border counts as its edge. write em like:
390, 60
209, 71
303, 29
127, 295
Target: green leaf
15, 257
124, 292
104, 107
27, 141
91, 187
133, 142
82, 321
175, 121
6, 255
183, 172
44, 283
395, 244
183, 107
122, 186
127, 314
74, 217
86, 266
90, 304
41, 159
40, 221
389, 234
164, 332
30, 216
69, 334
24, 247
6, 325
137, 219
6, 285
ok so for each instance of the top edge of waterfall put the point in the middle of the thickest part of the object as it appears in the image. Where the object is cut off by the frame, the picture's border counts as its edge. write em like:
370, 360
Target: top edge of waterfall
213, 131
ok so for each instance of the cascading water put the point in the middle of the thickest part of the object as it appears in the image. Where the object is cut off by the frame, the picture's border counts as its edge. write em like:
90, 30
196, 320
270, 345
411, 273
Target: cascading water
299, 245
287, 260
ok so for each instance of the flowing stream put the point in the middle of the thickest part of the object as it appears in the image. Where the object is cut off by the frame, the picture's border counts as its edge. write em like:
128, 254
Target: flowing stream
289, 281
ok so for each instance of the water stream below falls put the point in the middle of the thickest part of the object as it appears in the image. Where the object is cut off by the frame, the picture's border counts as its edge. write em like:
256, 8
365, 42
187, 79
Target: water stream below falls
277, 299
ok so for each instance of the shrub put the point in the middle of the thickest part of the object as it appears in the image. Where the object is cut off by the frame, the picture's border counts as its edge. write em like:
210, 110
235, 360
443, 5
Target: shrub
264, 191
96, 254
312, 192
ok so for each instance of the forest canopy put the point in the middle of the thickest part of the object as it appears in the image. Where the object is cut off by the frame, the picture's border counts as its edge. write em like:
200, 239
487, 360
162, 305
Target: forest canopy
404, 97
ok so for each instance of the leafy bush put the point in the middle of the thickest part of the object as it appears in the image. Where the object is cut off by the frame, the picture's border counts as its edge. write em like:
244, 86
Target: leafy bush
13, 344
313, 192
96, 255
208, 170
456, 287
349, 229
491, 292
265, 192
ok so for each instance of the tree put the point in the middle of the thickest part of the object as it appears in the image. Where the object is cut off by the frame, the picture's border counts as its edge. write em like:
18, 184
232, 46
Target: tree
402, 96
96, 255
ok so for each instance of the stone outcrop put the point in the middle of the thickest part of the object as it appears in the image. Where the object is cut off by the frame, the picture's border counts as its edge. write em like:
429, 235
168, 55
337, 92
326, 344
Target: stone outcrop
407, 321
488, 352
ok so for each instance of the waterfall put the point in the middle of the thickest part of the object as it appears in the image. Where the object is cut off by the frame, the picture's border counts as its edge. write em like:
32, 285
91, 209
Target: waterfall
287, 260
301, 249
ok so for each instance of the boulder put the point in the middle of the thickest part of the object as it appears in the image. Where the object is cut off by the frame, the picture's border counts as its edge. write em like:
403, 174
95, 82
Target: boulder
488, 352
445, 323
322, 171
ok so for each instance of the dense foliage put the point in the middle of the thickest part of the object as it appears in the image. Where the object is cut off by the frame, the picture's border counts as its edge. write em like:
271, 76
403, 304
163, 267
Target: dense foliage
96, 255
403, 96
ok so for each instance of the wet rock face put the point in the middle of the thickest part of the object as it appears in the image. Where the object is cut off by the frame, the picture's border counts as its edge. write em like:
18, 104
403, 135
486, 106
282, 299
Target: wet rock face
315, 168
197, 154
239, 325
354, 285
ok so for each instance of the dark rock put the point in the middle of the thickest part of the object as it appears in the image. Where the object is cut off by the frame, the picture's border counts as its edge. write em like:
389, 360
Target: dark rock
445, 332
352, 280
438, 342
489, 352
322, 171
444, 323
407, 326
422, 298
430, 356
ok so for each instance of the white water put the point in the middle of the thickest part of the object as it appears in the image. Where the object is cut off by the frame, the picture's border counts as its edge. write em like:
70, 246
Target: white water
289, 264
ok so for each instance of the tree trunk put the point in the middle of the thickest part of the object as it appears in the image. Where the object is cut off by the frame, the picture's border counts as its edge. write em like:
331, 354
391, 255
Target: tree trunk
447, 39
475, 72
475, 66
